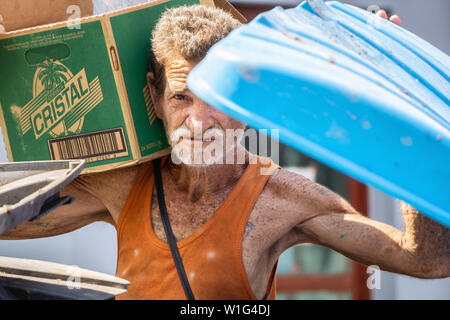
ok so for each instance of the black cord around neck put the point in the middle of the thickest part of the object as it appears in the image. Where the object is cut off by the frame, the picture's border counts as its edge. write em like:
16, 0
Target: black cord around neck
168, 230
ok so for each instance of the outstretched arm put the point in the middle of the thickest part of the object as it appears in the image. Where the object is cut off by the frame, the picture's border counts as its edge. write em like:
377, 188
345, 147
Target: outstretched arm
84, 210
422, 250
98, 197
309, 212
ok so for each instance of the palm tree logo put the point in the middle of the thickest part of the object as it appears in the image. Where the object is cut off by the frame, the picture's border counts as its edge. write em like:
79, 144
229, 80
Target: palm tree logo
51, 74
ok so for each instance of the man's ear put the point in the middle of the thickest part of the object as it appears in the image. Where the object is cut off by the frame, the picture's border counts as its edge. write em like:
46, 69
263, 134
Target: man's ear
150, 84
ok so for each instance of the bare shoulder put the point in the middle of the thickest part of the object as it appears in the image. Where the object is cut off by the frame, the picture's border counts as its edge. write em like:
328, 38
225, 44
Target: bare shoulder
110, 187
97, 183
293, 193
288, 200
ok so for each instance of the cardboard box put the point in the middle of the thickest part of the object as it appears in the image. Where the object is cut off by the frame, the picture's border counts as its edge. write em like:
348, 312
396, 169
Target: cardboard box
81, 93
20, 14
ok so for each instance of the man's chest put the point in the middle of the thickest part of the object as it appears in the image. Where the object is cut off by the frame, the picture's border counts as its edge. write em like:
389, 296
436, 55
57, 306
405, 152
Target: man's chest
186, 217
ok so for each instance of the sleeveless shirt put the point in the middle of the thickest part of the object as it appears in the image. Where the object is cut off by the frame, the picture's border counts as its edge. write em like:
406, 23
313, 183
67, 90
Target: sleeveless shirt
212, 255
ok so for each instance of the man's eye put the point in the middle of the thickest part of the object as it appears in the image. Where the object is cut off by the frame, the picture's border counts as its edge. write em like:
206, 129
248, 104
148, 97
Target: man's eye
180, 97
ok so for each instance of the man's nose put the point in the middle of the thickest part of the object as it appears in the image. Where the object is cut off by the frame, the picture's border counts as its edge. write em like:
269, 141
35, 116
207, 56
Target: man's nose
200, 116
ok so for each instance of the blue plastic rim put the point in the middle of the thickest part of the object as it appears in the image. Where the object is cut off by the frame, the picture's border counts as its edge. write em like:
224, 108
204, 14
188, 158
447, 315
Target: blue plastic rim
345, 87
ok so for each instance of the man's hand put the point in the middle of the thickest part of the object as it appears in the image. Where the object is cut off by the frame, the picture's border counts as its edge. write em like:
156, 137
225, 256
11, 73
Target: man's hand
427, 238
394, 18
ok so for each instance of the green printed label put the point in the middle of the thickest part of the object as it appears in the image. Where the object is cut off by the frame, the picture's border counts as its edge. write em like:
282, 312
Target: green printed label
59, 83
59, 97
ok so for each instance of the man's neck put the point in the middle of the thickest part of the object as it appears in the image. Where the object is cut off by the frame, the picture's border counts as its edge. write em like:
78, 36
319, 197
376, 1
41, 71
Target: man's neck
198, 181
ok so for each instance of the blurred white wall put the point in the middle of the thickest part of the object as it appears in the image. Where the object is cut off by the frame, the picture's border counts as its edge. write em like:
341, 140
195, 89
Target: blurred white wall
93, 247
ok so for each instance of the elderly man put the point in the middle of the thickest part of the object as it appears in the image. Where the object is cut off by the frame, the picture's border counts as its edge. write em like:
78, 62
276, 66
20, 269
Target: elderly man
231, 222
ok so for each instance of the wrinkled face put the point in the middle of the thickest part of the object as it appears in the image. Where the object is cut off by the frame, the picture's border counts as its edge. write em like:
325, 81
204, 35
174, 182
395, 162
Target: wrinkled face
199, 134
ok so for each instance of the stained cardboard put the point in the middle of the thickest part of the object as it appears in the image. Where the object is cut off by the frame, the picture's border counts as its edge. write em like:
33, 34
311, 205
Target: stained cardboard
20, 14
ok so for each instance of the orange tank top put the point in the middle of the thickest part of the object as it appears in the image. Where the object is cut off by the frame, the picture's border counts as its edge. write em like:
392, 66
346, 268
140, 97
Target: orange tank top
212, 255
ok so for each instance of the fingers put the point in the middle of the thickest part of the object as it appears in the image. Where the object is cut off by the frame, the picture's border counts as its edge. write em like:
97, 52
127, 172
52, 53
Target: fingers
382, 14
395, 18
